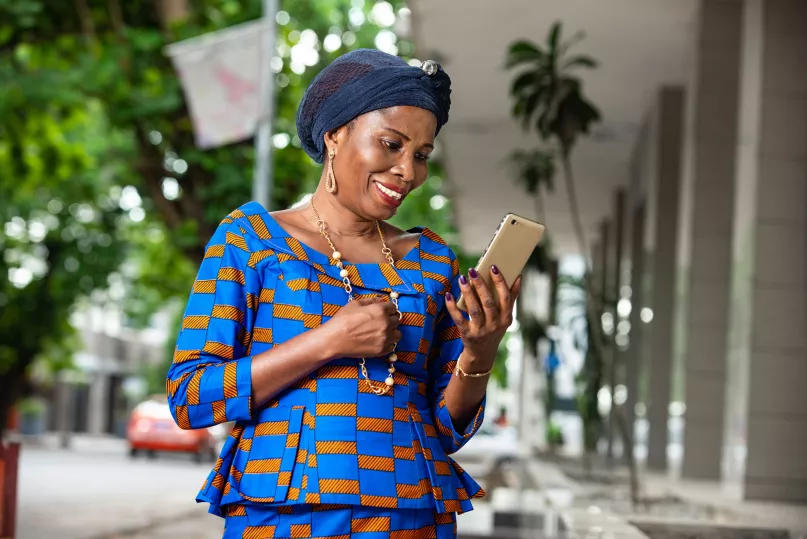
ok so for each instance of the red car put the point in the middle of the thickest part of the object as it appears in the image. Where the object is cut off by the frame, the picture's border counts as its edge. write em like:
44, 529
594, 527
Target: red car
151, 429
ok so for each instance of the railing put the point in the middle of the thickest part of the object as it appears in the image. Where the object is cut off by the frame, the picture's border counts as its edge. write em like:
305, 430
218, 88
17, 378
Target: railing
9, 461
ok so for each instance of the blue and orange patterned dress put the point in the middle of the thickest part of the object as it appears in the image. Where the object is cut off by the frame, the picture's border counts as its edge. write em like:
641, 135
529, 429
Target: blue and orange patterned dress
326, 457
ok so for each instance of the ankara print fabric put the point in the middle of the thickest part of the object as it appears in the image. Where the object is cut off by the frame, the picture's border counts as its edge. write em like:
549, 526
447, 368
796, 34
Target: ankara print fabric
328, 439
337, 522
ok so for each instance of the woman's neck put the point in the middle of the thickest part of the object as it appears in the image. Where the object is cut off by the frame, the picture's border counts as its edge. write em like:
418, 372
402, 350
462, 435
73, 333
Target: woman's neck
339, 220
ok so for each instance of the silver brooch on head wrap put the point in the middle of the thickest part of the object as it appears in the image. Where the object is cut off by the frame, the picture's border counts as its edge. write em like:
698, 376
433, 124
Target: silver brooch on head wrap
430, 67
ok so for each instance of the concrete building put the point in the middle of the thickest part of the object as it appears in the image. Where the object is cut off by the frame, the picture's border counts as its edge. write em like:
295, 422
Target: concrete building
705, 128
96, 397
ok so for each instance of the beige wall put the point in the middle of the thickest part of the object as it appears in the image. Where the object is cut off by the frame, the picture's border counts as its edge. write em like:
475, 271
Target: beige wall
663, 180
727, 232
706, 220
766, 420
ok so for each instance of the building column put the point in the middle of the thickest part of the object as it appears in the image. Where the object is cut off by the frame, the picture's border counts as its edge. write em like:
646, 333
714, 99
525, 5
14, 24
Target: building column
98, 403
613, 293
602, 282
766, 420
636, 283
663, 195
706, 213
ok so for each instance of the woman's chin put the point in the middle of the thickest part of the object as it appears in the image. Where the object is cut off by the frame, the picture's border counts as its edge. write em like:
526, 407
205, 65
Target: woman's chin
381, 213
382, 209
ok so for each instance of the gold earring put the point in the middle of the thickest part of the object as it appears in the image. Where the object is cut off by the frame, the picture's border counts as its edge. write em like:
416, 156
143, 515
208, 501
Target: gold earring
330, 179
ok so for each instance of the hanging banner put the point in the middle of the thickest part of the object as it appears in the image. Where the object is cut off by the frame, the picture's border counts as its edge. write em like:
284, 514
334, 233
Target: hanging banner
220, 76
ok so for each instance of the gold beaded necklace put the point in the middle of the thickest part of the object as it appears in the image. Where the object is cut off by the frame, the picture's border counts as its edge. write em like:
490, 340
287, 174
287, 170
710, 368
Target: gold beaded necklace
376, 388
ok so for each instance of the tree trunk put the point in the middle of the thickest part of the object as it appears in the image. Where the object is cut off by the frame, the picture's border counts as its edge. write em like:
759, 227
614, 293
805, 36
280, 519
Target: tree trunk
598, 341
553, 291
116, 17
171, 12
574, 208
85, 18
540, 207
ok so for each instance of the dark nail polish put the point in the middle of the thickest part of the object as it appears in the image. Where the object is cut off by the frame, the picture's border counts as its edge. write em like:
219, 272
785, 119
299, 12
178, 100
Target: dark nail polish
472, 272
449, 297
495, 270
463, 280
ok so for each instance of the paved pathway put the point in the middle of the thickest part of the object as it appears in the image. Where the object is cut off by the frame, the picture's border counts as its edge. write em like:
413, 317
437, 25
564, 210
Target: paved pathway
92, 492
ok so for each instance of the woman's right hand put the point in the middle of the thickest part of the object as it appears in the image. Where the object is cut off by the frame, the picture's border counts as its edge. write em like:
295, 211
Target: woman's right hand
364, 328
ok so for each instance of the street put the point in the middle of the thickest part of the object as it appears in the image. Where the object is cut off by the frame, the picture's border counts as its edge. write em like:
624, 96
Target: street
99, 492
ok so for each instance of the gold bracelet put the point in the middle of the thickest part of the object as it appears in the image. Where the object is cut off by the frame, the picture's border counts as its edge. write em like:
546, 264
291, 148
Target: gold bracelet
459, 371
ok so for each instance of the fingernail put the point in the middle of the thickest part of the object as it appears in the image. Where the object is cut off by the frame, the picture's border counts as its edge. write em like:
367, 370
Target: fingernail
463, 280
495, 270
449, 297
472, 272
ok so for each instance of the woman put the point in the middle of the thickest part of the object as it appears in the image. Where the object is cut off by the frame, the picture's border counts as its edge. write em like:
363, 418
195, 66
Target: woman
332, 339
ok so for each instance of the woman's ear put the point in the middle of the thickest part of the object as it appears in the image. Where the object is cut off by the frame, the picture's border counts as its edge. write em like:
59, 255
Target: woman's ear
332, 140
337, 137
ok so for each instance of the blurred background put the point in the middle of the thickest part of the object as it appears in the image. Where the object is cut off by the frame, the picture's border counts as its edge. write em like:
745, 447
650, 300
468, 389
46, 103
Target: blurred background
651, 385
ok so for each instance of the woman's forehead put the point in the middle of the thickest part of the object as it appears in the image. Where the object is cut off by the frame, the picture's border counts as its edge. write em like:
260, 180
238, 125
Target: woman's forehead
414, 122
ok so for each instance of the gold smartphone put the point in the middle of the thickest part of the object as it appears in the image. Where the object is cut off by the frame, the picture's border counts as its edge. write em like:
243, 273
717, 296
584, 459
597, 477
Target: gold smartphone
509, 249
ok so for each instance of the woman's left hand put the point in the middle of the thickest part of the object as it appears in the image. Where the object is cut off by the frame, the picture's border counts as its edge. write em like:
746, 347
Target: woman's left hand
490, 314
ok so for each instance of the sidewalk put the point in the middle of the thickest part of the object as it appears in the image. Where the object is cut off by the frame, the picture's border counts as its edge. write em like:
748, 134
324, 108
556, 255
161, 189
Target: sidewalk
758, 514
568, 499
600, 506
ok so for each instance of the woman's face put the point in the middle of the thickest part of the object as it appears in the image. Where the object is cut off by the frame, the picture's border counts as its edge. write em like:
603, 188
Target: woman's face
380, 158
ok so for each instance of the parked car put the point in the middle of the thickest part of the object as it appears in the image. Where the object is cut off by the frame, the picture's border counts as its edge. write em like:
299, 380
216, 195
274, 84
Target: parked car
492, 446
152, 429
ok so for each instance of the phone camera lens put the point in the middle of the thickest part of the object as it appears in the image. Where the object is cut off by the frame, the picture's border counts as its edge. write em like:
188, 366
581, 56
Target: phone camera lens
513, 222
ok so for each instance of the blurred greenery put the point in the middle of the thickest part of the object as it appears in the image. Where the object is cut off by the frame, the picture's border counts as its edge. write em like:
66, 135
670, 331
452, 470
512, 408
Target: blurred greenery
499, 374
554, 435
94, 124
61, 233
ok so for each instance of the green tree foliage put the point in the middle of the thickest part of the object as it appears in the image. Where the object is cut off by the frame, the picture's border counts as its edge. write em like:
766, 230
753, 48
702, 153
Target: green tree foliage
61, 234
94, 125
59, 56
93, 119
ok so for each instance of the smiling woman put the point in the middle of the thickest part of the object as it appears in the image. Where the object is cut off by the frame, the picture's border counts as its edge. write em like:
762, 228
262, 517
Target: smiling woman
332, 339
383, 154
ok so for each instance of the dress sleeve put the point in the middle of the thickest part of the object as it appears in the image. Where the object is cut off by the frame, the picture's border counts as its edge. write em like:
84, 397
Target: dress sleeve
446, 349
210, 379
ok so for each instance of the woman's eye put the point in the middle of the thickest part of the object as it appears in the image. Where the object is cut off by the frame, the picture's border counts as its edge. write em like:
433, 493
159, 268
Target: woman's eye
422, 157
392, 145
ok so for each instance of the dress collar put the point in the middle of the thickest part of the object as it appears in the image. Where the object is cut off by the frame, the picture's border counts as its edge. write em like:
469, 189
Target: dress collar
404, 276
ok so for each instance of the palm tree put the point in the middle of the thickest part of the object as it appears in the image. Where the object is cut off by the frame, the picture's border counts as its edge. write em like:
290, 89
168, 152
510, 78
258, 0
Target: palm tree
535, 172
548, 98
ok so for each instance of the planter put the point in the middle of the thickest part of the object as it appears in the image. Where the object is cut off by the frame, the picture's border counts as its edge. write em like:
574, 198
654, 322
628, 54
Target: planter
32, 416
9, 462
32, 424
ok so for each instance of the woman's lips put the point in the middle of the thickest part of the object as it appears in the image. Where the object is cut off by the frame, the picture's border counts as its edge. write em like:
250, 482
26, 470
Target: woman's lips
390, 194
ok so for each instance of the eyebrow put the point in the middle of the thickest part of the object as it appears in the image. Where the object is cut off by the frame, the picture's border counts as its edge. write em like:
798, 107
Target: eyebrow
407, 138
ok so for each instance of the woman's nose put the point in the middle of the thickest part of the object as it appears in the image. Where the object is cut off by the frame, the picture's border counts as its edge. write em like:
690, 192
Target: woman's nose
405, 169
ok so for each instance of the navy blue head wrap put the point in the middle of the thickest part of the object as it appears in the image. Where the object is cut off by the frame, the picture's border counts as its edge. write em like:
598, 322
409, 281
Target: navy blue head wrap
362, 81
